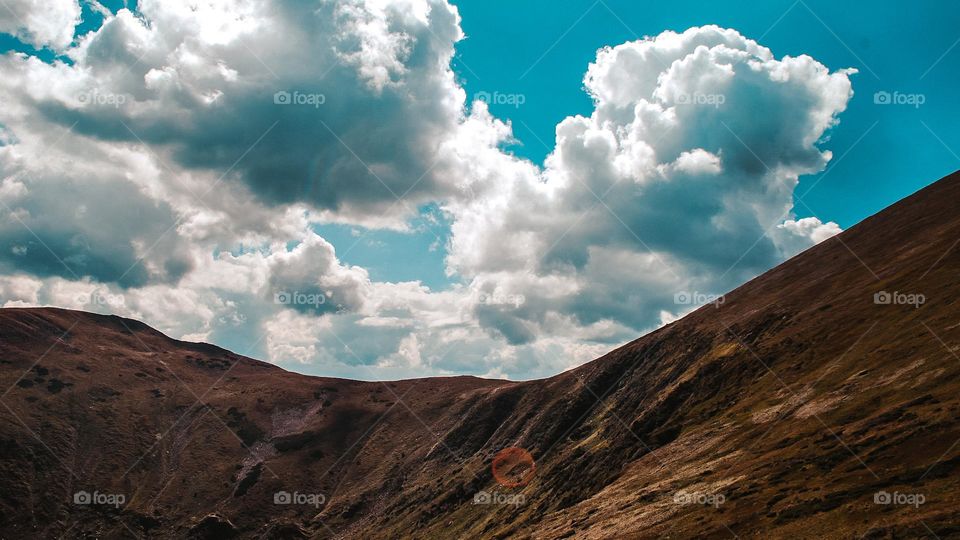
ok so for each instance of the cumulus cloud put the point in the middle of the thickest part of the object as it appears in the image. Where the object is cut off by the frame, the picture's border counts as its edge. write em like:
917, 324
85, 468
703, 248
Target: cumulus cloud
61, 216
340, 105
41, 23
796, 235
175, 169
673, 183
309, 278
19, 290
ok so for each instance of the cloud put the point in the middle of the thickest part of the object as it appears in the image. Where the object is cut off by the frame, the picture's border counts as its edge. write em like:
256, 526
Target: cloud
310, 279
793, 236
340, 105
178, 167
60, 217
19, 290
673, 183
47, 23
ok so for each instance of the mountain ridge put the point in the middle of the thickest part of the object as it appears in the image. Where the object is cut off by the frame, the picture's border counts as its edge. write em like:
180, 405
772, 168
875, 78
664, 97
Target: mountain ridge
783, 411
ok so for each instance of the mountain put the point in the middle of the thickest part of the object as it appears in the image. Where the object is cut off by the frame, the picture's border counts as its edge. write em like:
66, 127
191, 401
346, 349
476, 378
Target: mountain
819, 400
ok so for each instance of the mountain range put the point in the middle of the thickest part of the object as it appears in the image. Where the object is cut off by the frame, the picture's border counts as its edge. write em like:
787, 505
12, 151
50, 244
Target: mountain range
819, 400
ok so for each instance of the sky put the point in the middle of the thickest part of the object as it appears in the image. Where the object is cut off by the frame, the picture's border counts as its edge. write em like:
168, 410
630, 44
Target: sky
909, 50
382, 189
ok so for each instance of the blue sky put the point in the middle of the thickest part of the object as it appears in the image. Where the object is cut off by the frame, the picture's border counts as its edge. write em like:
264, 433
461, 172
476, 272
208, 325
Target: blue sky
541, 52
276, 229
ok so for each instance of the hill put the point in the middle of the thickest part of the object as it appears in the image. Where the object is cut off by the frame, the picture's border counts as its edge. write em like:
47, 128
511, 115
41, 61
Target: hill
818, 400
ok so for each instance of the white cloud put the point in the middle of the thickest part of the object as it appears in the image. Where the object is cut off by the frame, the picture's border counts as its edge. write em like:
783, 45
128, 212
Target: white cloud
793, 236
19, 290
339, 105
292, 337
309, 278
673, 183
59, 216
41, 22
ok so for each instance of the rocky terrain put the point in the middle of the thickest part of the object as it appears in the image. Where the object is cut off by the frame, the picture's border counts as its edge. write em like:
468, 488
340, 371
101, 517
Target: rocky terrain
819, 400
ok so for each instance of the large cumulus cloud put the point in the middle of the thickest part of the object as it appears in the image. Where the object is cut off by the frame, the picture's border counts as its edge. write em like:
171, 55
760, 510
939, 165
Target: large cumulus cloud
338, 104
69, 216
675, 183
47, 23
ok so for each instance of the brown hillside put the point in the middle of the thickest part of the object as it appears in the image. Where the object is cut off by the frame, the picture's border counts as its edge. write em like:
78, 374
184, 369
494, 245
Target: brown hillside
786, 410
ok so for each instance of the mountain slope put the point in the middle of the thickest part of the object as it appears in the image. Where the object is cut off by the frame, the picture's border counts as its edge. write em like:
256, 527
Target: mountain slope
782, 412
